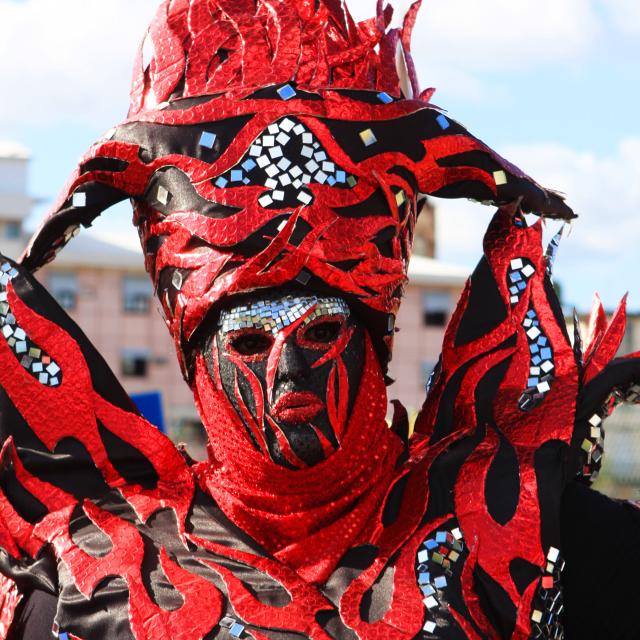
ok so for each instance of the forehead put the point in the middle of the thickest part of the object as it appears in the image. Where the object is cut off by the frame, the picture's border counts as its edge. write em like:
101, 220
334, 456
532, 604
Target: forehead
274, 314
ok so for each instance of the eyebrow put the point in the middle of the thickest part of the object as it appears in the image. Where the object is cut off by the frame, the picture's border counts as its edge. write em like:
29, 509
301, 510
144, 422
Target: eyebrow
273, 315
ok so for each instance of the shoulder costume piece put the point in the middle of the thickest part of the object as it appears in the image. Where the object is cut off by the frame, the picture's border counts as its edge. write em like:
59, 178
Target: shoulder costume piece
269, 145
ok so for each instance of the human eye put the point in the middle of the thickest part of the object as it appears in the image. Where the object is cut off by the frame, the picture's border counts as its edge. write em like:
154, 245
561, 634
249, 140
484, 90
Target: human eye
250, 343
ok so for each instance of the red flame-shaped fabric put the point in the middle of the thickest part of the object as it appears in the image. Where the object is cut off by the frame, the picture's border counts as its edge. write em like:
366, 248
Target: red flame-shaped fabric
268, 144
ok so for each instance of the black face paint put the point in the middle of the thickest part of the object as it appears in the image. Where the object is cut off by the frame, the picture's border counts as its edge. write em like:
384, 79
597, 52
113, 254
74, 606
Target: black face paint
291, 366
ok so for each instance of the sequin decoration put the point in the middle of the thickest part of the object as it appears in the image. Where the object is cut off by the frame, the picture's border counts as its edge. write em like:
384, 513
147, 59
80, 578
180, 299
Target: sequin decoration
31, 357
275, 314
520, 272
437, 558
286, 158
541, 370
593, 445
236, 629
548, 605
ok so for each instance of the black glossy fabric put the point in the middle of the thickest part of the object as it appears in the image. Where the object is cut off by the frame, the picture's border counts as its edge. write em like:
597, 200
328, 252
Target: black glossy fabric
35, 618
601, 543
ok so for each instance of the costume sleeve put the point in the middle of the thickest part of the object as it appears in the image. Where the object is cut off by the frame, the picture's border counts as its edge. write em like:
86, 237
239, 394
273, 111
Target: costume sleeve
519, 410
71, 440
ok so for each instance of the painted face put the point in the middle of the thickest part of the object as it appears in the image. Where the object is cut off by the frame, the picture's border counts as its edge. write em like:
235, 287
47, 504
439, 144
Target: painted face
291, 367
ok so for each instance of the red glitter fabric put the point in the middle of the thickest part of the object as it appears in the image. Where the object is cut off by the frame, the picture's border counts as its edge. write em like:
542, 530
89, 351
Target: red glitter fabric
307, 518
177, 153
142, 544
214, 46
476, 490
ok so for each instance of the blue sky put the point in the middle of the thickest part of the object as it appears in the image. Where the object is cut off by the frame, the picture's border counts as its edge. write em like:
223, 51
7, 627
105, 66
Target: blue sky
553, 86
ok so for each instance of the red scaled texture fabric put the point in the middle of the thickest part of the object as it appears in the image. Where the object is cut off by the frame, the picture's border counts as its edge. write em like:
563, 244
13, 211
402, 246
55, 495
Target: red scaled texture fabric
212, 46
306, 518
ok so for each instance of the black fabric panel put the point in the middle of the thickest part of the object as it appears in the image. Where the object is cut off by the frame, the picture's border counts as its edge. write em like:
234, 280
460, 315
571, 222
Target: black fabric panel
70, 467
376, 601
502, 484
158, 586
406, 175
260, 239
87, 536
158, 140
29, 508
271, 93
183, 196
113, 165
368, 97
485, 392
403, 135
330, 621
300, 232
393, 504
384, 241
443, 474
354, 562
466, 189
550, 468
495, 603
35, 617
523, 574
375, 205
601, 590
444, 420
130, 463
40, 574
479, 159
486, 308
109, 608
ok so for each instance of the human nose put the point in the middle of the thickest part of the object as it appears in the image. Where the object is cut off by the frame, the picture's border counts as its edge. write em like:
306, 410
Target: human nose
292, 366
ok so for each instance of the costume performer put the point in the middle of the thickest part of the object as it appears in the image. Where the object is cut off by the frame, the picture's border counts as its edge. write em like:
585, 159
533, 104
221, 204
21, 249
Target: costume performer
276, 170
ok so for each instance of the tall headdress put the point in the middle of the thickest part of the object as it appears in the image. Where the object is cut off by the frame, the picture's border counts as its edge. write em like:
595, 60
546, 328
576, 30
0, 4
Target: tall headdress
269, 142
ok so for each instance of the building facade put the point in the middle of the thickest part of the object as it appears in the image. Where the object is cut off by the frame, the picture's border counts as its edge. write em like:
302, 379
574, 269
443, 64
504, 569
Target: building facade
105, 289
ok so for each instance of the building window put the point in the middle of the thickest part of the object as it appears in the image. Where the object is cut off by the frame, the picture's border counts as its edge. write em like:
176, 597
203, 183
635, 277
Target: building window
64, 288
135, 363
12, 230
136, 293
436, 307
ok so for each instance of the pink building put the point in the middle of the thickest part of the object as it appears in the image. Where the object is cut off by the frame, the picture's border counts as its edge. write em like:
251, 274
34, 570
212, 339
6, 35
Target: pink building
106, 290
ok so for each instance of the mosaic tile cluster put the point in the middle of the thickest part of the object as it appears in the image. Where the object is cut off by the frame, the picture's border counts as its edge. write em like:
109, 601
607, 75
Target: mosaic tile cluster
520, 272
435, 561
548, 605
593, 446
275, 314
541, 370
42, 367
286, 158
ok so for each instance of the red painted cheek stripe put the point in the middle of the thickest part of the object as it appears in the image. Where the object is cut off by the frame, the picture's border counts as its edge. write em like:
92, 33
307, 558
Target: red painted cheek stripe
327, 447
276, 351
249, 420
285, 446
256, 388
337, 349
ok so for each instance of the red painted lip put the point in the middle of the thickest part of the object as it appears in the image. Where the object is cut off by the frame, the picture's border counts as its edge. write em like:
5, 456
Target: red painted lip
296, 408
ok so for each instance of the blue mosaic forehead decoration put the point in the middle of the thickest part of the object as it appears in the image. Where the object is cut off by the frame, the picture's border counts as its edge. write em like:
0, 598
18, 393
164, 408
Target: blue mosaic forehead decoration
274, 314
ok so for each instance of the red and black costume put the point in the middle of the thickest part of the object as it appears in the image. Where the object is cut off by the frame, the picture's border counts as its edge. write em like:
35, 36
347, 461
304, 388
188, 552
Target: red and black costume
269, 145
